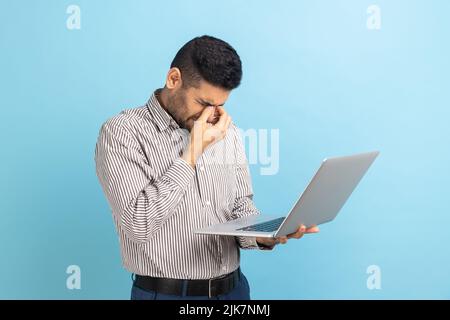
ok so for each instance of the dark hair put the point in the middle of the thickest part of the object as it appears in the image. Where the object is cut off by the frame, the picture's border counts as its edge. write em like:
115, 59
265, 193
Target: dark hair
210, 59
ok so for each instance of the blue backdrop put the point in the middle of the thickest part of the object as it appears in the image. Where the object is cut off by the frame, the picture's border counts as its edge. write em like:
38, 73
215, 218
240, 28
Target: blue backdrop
318, 71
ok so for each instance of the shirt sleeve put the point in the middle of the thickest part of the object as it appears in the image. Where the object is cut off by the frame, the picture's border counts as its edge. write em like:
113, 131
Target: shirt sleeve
243, 204
140, 201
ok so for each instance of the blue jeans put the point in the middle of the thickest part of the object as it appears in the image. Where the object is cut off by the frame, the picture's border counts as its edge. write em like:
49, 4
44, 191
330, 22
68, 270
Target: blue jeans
240, 292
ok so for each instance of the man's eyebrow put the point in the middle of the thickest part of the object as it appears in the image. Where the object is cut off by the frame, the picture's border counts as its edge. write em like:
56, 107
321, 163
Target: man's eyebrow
207, 103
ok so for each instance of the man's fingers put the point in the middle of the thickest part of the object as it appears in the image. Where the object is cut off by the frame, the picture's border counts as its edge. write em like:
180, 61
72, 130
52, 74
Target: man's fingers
282, 240
313, 229
299, 233
205, 114
296, 235
302, 230
222, 118
227, 124
279, 240
220, 110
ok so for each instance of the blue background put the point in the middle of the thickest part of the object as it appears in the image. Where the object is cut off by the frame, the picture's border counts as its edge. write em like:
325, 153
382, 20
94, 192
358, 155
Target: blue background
312, 69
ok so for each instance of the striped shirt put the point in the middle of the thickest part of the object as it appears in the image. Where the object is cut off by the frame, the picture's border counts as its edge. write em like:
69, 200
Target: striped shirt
157, 199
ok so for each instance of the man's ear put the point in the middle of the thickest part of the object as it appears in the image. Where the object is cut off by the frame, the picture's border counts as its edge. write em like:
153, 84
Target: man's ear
173, 80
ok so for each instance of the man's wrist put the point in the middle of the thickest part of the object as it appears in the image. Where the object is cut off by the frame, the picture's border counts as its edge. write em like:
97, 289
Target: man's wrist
190, 157
264, 245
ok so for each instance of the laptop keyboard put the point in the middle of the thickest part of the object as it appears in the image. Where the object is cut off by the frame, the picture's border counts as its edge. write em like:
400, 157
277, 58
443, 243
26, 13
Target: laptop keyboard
268, 226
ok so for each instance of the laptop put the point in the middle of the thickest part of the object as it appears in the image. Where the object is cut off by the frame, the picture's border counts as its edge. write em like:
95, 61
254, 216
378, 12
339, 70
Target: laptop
320, 202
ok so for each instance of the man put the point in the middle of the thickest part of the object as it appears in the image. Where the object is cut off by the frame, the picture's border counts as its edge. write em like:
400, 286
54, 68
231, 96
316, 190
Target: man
163, 170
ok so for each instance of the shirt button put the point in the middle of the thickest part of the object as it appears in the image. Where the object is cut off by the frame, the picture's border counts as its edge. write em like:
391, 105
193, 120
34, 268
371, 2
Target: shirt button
202, 168
207, 203
224, 268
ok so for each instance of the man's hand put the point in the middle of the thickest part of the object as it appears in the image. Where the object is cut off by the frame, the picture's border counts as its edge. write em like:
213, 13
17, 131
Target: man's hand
205, 133
270, 242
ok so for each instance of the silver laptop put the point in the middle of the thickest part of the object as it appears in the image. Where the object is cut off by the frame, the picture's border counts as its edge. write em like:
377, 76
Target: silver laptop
321, 201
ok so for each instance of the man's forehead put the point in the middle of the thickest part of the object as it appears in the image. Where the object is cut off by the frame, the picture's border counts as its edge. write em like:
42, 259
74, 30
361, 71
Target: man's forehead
209, 94
211, 98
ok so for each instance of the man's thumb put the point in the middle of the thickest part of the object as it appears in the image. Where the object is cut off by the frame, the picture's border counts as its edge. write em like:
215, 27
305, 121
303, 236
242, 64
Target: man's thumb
205, 114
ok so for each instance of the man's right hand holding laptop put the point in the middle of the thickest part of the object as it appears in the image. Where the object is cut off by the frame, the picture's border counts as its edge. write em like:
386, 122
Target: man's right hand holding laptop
271, 242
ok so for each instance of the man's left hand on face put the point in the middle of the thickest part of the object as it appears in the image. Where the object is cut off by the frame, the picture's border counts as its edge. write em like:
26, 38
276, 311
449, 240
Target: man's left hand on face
270, 242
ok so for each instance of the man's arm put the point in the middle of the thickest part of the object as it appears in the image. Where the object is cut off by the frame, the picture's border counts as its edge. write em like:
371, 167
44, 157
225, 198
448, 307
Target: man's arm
142, 201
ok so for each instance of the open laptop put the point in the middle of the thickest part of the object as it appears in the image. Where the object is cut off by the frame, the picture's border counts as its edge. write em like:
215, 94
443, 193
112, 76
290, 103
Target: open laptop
321, 201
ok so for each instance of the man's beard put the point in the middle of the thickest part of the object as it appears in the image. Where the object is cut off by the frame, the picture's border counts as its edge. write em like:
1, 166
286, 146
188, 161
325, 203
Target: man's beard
176, 106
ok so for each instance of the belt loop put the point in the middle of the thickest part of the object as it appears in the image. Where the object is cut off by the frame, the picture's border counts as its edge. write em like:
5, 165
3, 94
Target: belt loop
184, 288
209, 288
133, 277
237, 278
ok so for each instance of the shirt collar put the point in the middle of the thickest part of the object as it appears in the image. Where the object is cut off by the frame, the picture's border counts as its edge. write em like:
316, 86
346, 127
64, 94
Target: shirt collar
160, 116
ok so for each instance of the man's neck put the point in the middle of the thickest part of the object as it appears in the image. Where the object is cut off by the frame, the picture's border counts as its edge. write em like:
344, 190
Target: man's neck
161, 95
